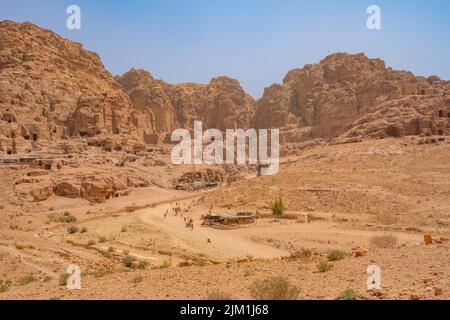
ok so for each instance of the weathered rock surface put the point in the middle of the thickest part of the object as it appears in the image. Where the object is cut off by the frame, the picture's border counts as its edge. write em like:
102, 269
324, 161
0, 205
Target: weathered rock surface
51, 88
95, 188
409, 116
221, 104
201, 179
68, 189
324, 100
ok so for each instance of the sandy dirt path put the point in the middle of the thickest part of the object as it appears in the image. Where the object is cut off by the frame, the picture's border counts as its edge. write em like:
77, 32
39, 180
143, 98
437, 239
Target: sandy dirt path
224, 245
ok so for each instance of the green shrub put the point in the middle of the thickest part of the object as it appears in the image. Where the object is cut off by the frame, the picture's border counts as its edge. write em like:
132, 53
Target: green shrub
83, 230
72, 229
128, 260
275, 288
336, 255
348, 295
278, 207
70, 219
4, 286
27, 280
218, 296
63, 278
143, 264
324, 266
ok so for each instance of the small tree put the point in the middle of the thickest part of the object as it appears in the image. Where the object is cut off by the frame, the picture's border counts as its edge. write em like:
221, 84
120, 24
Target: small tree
278, 207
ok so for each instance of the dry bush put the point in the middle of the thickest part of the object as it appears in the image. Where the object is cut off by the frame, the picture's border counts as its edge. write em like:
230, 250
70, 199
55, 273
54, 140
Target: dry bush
63, 278
218, 296
4, 286
336, 255
128, 261
166, 264
143, 264
384, 242
324, 266
277, 207
349, 294
137, 280
27, 280
72, 229
275, 288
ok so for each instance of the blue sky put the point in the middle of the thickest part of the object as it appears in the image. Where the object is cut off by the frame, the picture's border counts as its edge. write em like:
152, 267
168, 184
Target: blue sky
254, 41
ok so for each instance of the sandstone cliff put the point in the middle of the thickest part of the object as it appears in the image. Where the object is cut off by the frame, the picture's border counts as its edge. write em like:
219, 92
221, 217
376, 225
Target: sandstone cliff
51, 88
221, 104
324, 100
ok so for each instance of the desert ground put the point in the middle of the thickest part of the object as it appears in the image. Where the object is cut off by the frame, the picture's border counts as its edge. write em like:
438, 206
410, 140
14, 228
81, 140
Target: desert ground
351, 193
88, 182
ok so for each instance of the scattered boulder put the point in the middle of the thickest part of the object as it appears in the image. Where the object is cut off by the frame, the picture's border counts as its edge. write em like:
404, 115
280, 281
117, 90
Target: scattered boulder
184, 264
243, 260
428, 239
359, 252
438, 292
68, 190
97, 188
302, 254
415, 296
42, 191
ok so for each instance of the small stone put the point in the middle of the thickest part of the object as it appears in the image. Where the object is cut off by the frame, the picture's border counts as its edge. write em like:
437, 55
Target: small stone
245, 260
438, 292
428, 239
360, 253
184, 264
307, 254
414, 296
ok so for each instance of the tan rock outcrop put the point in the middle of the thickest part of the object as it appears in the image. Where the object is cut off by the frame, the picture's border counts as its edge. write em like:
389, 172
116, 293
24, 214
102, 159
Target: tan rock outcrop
68, 189
221, 104
51, 88
323, 100
39, 190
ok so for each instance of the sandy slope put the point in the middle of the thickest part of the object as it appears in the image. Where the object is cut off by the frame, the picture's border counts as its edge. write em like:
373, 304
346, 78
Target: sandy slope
352, 193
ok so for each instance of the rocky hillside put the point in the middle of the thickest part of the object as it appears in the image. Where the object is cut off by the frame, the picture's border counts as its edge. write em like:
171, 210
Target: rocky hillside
357, 97
221, 104
344, 97
51, 88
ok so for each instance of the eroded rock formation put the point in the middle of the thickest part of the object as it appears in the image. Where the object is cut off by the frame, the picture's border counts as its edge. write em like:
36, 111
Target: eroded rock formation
324, 100
221, 104
51, 88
